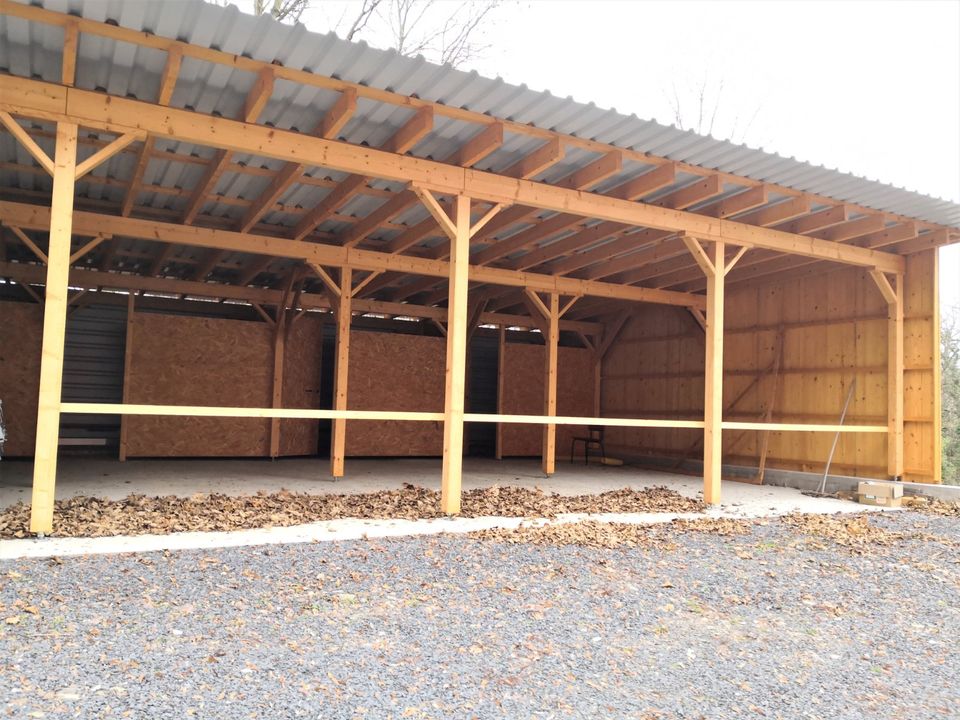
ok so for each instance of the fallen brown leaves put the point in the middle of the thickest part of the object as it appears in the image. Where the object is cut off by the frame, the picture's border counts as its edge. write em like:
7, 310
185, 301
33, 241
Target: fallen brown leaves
585, 533
854, 532
933, 506
138, 514
594, 534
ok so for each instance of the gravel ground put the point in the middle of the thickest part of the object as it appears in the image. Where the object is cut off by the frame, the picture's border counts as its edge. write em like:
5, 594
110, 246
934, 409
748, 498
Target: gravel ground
775, 623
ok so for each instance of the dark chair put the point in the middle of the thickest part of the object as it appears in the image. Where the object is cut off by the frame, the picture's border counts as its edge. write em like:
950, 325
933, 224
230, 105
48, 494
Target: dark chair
593, 438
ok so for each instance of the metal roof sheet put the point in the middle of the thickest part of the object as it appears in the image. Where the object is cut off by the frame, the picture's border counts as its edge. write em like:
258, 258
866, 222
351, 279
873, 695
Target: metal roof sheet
33, 50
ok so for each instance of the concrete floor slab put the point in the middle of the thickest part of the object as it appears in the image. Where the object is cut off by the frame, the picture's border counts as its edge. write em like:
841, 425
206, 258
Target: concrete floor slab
114, 480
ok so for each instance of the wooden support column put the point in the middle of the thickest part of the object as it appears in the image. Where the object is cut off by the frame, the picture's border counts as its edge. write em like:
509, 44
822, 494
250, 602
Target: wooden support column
54, 329
893, 294
552, 340
279, 343
501, 359
454, 402
127, 362
713, 263
338, 443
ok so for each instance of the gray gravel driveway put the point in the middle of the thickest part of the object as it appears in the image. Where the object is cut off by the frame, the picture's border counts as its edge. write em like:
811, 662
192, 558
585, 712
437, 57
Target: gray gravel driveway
771, 624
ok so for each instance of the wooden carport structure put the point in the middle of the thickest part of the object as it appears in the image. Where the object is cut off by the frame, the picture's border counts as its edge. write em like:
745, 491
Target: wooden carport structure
468, 219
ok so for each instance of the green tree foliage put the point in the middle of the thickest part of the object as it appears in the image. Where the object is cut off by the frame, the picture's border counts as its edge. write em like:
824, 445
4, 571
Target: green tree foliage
950, 356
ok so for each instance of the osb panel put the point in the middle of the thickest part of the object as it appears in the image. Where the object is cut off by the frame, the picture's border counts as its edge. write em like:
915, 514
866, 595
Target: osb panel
21, 333
389, 371
834, 330
523, 375
301, 385
180, 360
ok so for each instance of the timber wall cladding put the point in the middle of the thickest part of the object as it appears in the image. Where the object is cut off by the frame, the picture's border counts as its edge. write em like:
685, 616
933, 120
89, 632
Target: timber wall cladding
390, 371
523, 377
179, 360
21, 333
833, 329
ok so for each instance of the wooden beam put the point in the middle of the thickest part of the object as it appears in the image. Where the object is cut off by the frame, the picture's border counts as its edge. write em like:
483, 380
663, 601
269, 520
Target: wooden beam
399, 143
168, 81
439, 214
749, 199
29, 144
36, 217
596, 172
695, 192
107, 152
479, 146
456, 363
87, 248
332, 123
25, 239
25, 274
256, 100
344, 310
537, 161
71, 38
54, 331
55, 102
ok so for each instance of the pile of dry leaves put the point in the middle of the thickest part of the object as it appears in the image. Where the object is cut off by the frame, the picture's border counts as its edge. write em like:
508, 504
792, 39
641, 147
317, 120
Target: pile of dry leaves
138, 514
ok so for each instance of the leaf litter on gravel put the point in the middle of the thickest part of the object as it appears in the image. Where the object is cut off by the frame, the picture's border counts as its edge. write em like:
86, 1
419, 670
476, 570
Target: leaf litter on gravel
609, 535
138, 514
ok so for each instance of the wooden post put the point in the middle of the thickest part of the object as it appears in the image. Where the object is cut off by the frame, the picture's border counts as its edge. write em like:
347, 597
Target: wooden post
893, 294
501, 357
127, 362
895, 381
714, 266
54, 330
338, 442
279, 344
453, 409
713, 381
552, 339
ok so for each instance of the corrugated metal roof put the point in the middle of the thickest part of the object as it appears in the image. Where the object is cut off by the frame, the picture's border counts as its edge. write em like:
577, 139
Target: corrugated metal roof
33, 50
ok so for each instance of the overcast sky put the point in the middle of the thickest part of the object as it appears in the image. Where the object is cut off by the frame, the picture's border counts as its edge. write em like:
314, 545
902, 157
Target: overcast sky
871, 88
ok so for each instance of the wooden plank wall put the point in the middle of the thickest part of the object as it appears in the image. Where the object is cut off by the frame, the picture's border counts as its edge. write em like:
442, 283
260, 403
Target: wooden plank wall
390, 371
21, 334
180, 360
833, 329
523, 391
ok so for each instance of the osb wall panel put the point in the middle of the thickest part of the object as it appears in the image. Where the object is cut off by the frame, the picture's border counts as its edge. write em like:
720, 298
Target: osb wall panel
21, 333
389, 371
833, 330
180, 360
523, 375
301, 385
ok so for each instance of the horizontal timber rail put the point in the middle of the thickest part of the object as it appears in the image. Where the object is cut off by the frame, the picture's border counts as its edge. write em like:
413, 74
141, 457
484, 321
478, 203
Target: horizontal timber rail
317, 414
246, 412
